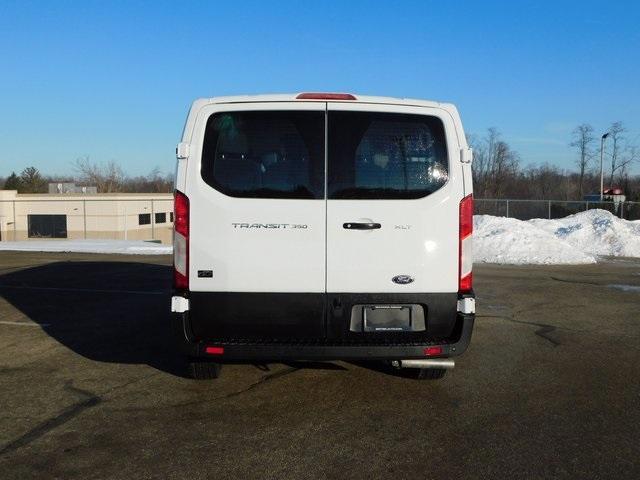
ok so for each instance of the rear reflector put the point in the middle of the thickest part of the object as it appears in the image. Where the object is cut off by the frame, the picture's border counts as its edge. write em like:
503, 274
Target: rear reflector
325, 96
466, 283
431, 351
181, 241
214, 350
465, 246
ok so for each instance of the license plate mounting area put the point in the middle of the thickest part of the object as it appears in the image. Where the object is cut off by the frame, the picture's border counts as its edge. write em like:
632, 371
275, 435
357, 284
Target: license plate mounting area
387, 318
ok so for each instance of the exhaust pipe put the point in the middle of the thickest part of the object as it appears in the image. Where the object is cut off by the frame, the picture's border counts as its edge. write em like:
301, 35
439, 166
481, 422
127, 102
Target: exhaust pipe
447, 363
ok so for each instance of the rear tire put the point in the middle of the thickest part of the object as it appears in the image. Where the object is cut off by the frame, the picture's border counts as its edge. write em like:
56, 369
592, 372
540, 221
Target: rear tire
426, 373
203, 370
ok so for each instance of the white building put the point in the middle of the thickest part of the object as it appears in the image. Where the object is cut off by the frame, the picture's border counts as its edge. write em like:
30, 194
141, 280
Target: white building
132, 216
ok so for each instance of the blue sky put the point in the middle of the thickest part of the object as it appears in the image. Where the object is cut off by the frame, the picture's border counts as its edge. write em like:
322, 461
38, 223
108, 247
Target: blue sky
113, 80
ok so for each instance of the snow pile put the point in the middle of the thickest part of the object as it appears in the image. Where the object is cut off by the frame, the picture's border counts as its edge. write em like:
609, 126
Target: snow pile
578, 238
508, 240
597, 232
136, 247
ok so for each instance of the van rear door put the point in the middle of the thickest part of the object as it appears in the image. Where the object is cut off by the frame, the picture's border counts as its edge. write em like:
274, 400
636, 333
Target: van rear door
257, 249
393, 188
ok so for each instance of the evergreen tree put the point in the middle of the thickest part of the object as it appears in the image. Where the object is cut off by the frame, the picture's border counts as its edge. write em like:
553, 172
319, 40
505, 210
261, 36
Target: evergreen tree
12, 182
31, 181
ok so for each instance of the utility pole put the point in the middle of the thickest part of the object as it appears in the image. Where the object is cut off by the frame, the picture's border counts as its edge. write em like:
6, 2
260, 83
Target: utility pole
601, 165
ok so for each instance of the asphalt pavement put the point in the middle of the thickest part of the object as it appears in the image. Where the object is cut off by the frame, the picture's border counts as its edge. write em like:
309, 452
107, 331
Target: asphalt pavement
90, 385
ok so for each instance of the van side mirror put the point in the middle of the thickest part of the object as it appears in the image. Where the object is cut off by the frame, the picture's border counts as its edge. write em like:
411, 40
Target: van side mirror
182, 151
466, 155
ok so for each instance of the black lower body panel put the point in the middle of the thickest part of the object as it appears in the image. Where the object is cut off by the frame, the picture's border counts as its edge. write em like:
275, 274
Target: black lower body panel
315, 326
256, 316
236, 350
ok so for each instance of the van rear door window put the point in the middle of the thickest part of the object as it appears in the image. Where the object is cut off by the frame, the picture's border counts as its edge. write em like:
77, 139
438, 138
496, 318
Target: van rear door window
385, 155
265, 154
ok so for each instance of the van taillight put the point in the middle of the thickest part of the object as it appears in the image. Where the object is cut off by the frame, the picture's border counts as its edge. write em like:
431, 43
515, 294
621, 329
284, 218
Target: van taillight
465, 251
214, 350
325, 96
181, 241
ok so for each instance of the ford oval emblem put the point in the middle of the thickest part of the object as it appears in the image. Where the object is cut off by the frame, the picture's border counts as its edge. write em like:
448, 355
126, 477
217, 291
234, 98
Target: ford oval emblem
402, 279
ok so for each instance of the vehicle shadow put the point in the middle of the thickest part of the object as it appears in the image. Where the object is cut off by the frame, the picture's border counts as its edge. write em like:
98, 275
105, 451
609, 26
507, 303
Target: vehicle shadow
116, 312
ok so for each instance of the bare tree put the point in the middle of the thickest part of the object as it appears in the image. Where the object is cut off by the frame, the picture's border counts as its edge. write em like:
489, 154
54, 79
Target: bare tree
493, 165
630, 154
505, 166
114, 177
483, 151
154, 182
616, 132
582, 140
108, 178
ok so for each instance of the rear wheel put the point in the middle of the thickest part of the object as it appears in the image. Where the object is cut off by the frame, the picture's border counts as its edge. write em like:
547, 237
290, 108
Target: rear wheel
426, 373
203, 370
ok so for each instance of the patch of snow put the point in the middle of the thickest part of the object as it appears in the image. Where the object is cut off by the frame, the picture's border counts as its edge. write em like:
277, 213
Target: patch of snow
625, 288
512, 241
135, 247
579, 238
596, 232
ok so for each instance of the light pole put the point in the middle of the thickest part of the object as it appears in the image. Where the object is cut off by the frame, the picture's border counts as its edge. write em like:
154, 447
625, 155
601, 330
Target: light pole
601, 170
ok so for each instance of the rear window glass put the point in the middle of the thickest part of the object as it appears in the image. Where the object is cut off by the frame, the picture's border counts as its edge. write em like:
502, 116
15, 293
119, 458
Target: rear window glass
271, 154
385, 155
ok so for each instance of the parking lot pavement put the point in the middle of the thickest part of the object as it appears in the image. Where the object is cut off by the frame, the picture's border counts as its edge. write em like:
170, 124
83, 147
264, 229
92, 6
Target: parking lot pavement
90, 386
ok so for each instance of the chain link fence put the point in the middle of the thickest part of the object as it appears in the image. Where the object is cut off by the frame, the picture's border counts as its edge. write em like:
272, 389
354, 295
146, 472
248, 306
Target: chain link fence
528, 209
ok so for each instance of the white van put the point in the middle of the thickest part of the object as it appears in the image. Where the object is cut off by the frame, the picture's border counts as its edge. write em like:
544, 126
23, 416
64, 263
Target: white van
323, 226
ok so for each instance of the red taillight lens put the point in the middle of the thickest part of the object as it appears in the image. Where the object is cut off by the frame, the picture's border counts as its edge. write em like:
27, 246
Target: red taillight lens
214, 350
466, 216
465, 250
431, 351
466, 283
181, 213
325, 96
181, 241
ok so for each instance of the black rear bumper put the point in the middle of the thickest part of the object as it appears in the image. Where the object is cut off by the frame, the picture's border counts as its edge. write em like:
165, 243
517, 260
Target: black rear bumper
277, 351
300, 326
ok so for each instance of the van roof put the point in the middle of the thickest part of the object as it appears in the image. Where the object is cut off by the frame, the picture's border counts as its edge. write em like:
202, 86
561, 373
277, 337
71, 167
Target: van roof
292, 97
289, 97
